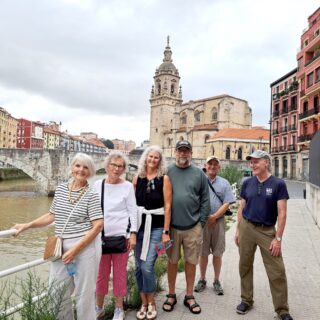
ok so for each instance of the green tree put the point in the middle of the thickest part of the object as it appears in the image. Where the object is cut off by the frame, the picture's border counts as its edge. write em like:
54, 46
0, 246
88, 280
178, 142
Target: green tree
232, 174
108, 143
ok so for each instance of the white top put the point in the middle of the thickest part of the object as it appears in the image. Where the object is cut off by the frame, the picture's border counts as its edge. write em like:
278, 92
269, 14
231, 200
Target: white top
119, 206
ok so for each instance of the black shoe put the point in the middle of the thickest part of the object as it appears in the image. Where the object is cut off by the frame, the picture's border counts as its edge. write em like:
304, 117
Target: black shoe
243, 308
286, 316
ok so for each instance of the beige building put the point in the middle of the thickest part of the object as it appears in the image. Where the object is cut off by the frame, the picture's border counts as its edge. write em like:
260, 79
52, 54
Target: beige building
8, 129
196, 121
51, 138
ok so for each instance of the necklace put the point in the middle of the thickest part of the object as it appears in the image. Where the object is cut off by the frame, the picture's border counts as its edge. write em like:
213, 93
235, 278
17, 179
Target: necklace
74, 201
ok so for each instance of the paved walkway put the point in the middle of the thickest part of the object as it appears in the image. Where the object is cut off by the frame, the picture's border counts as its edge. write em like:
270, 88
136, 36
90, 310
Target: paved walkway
301, 251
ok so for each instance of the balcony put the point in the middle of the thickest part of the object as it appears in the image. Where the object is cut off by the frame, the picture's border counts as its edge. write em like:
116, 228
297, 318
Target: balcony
284, 110
309, 113
275, 131
293, 107
293, 127
291, 147
283, 148
275, 150
276, 113
305, 137
284, 129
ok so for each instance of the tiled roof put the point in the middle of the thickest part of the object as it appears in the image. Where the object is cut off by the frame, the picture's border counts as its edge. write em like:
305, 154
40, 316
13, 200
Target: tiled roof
251, 134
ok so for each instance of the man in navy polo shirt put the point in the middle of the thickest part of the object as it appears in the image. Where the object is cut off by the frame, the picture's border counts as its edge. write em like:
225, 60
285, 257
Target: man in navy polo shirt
263, 205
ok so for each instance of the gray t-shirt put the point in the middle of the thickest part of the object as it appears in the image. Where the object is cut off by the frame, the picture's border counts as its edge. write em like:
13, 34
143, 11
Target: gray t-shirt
190, 197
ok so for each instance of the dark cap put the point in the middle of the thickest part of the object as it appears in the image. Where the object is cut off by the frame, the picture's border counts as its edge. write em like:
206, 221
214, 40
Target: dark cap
183, 144
258, 154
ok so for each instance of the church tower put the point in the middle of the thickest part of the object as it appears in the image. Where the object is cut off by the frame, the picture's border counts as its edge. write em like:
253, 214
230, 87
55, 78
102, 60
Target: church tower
165, 98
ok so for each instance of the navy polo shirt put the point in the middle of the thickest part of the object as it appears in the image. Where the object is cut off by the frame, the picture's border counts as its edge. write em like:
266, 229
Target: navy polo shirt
261, 199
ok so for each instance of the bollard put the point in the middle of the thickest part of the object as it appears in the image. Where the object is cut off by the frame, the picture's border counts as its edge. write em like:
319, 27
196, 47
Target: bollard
304, 194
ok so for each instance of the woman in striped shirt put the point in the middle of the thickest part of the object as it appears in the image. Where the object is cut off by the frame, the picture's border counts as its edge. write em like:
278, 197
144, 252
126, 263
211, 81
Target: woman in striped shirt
78, 220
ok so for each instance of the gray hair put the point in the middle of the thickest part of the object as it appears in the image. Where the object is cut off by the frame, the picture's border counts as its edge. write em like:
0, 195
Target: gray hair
162, 168
116, 155
85, 160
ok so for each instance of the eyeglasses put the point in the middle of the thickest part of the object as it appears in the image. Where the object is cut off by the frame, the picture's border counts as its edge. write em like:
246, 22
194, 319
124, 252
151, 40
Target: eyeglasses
116, 166
260, 186
150, 186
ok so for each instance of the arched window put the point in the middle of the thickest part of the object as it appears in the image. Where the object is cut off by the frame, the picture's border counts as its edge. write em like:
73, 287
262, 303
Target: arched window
214, 114
228, 153
172, 89
183, 118
197, 116
159, 88
206, 138
240, 153
169, 142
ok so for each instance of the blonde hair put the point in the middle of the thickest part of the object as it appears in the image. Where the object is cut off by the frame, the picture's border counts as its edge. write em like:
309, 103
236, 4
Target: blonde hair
84, 159
162, 168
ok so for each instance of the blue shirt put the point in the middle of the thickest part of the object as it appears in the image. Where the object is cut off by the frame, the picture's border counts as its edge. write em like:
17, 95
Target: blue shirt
223, 189
261, 199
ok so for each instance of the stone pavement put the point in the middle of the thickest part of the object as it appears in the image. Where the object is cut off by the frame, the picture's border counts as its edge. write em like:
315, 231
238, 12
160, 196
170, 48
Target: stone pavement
301, 251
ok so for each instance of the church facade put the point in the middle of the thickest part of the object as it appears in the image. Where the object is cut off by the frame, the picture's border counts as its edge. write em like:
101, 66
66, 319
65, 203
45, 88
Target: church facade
197, 121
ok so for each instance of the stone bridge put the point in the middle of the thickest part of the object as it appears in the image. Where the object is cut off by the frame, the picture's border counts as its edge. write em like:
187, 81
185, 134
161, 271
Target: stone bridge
49, 168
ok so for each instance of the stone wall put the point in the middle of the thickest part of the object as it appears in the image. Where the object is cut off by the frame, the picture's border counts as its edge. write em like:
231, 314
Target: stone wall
313, 201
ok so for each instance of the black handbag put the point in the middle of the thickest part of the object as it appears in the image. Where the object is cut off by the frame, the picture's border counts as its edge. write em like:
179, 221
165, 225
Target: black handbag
228, 212
113, 244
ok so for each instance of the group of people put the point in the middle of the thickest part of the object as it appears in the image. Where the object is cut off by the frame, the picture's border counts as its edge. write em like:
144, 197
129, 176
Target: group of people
179, 205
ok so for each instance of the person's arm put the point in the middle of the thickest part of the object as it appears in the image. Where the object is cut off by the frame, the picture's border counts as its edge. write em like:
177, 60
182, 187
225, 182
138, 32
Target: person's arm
132, 209
239, 217
134, 182
167, 195
204, 200
275, 246
69, 256
218, 214
40, 222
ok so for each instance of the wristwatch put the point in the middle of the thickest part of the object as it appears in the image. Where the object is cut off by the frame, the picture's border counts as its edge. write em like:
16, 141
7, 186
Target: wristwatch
165, 232
278, 239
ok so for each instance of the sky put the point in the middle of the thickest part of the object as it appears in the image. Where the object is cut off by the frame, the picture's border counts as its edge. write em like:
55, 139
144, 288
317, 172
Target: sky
89, 64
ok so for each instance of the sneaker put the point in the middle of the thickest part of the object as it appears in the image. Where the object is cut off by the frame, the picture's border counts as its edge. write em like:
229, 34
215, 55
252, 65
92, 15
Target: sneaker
285, 316
118, 314
217, 288
243, 308
99, 313
201, 285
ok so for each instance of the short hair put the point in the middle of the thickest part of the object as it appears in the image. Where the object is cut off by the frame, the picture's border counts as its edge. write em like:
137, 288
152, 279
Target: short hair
116, 155
84, 159
162, 168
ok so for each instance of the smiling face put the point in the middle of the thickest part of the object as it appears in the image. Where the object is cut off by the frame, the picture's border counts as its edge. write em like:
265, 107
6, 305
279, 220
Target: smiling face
153, 160
259, 166
212, 168
183, 157
80, 171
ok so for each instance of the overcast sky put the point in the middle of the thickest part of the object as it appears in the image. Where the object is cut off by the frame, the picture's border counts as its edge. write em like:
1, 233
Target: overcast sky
90, 63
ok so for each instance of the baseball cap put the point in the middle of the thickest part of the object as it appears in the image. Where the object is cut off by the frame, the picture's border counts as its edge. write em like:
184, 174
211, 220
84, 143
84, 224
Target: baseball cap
183, 144
258, 154
212, 158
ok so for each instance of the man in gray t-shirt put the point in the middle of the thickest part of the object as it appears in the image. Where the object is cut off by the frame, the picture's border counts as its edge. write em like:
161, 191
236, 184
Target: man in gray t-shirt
189, 212
221, 196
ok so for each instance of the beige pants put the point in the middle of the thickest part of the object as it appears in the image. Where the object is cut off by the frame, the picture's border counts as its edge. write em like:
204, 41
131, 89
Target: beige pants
250, 237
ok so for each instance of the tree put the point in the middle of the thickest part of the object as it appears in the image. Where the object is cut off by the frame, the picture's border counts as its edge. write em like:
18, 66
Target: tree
108, 143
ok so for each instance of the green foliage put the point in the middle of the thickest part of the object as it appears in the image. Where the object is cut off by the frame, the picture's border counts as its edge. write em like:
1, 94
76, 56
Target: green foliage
160, 269
108, 143
109, 308
232, 174
132, 299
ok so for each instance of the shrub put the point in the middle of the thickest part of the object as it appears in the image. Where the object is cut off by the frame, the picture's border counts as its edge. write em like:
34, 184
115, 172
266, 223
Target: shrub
232, 174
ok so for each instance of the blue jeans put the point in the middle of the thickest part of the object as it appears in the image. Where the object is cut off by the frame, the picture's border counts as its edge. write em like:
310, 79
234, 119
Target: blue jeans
145, 276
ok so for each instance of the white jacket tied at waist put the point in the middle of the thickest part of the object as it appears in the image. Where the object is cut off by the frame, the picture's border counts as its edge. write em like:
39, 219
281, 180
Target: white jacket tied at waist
147, 228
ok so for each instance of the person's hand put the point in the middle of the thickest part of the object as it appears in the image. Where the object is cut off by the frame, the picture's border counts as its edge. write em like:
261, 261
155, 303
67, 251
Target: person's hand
236, 237
212, 220
165, 238
20, 227
69, 256
275, 248
132, 241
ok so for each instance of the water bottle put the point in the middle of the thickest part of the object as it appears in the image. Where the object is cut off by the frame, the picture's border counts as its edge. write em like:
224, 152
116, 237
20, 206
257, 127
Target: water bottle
71, 268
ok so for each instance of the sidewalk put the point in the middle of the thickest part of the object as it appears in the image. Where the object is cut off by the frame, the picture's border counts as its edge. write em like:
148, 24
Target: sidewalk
301, 251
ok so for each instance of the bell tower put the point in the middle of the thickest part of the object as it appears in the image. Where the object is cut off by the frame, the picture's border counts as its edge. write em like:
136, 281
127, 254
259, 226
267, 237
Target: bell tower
166, 95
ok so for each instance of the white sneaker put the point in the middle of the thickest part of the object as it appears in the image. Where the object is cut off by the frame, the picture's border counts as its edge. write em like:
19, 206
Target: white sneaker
99, 312
118, 314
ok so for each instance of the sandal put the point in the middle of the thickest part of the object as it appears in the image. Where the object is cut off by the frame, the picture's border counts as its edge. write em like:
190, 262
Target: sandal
152, 312
168, 303
191, 306
142, 313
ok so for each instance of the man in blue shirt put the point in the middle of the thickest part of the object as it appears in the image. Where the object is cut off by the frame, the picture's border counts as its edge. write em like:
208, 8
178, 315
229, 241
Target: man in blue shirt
263, 204
214, 242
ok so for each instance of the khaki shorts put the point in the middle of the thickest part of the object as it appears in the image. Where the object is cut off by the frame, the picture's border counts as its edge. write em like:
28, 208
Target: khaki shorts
214, 239
190, 240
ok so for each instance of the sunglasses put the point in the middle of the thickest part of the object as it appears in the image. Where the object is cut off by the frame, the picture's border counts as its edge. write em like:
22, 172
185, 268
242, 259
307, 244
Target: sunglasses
260, 186
150, 186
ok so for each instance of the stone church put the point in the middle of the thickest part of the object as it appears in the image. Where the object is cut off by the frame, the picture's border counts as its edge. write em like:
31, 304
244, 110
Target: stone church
197, 121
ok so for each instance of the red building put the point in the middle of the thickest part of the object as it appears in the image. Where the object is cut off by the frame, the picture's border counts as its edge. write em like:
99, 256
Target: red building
30, 134
308, 75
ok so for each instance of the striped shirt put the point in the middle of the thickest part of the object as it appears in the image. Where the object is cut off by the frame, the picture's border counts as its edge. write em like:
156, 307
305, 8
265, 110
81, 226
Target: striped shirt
86, 210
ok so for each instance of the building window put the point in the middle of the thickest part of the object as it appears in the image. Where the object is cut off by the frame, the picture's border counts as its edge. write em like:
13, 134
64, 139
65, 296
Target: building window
212, 150
228, 153
197, 116
206, 138
183, 119
310, 79
214, 114
240, 153
318, 74
305, 106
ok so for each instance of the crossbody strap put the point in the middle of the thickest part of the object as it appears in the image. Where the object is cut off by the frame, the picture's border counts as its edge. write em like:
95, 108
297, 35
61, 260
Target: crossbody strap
214, 191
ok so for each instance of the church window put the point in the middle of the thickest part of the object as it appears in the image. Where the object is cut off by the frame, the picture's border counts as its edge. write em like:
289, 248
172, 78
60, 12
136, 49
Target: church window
169, 142
228, 153
240, 153
197, 116
159, 88
214, 114
183, 119
172, 89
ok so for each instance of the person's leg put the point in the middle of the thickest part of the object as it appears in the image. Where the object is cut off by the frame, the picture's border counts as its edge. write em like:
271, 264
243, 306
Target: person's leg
203, 263
190, 273
217, 264
276, 272
102, 284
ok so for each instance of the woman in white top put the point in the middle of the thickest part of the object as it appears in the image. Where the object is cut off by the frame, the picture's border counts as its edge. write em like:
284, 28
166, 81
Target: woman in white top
120, 218
80, 241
